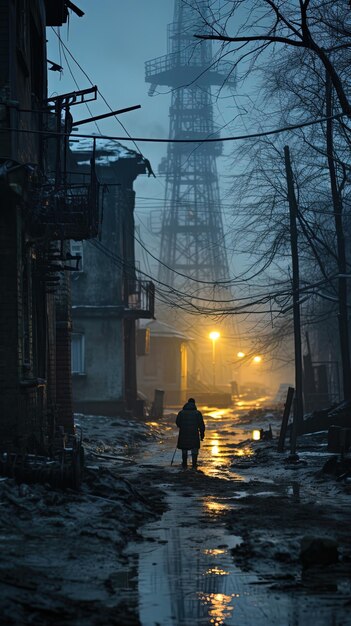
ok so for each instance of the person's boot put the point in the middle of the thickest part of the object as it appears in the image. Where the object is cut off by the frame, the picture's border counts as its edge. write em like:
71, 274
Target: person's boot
194, 460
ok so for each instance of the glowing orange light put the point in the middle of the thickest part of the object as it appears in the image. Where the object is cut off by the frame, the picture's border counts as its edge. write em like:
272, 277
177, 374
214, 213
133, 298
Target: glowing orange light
257, 359
240, 355
214, 335
256, 435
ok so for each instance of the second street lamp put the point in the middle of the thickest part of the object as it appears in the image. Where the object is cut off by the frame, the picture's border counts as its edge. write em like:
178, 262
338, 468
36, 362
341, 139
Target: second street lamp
214, 335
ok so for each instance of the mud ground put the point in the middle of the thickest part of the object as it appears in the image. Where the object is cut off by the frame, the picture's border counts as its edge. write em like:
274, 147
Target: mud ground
63, 554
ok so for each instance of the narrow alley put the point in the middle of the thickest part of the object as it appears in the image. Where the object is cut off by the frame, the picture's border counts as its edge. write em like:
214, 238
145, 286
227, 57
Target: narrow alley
175, 224
146, 543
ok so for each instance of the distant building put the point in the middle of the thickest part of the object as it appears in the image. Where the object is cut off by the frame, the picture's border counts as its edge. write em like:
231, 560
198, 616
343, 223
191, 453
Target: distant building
165, 363
108, 295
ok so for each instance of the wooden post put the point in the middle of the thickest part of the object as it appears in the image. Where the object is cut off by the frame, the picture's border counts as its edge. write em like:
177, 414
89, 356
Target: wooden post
157, 405
298, 404
286, 413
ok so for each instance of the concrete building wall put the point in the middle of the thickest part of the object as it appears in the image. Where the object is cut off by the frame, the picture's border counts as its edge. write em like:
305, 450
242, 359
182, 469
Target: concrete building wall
100, 388
107, 386
100, 282
164, 368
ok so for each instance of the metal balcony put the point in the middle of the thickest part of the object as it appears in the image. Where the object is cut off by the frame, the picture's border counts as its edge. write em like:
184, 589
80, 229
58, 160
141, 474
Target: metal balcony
183, 67
70, 211
140, 300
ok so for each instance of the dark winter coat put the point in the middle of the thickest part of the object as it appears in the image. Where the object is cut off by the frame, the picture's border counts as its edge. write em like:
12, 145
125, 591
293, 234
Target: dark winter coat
191, 427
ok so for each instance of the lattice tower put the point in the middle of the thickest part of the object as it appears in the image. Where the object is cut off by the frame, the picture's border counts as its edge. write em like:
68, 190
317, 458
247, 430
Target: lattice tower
192, 238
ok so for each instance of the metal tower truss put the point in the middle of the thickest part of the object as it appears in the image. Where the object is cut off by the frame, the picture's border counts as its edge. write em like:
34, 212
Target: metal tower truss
192, 237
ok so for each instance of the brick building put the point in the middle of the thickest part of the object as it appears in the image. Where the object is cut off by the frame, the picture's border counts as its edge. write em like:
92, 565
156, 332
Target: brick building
40, 213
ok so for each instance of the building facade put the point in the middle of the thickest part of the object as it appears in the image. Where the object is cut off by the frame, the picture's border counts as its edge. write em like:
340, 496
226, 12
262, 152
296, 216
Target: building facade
108, 296
27, 307
40, 212
164, 365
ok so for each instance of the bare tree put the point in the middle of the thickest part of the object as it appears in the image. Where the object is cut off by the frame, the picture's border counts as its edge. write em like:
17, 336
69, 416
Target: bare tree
321, 28
307, 48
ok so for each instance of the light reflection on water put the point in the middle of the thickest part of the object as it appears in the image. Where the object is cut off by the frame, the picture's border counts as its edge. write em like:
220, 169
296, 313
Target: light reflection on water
186, 572
216, 413
246, 451
217, 571
180, 583
214, 445
218, 605
247, 404
212, 506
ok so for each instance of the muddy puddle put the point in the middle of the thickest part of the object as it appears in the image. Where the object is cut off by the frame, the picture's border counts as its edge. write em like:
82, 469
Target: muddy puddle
186, 574
186, 571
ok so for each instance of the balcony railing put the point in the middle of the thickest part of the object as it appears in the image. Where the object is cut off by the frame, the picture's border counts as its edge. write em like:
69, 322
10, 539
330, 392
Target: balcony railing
141, 299
163, 69
70, 211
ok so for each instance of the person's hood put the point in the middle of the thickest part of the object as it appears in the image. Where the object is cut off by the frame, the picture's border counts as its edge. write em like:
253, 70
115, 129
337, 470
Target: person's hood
189, 406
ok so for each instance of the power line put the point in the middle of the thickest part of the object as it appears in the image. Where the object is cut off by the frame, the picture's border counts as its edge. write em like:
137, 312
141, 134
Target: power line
198, 140
76, 83
196, 280
92, 84
238, 310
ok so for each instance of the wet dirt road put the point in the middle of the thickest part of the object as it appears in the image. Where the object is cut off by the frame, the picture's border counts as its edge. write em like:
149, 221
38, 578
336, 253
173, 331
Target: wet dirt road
187, 572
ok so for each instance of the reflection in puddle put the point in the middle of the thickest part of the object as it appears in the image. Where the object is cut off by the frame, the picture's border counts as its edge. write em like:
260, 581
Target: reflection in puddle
250, 403
216, 413
215, 507
217, 571
218, 606
247, 451
214, 447
186, 572
178, 583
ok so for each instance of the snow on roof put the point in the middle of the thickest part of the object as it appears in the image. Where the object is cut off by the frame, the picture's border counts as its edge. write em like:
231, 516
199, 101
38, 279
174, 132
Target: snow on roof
107, 150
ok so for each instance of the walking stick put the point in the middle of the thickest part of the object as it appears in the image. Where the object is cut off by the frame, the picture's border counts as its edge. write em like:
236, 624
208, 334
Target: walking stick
173, 455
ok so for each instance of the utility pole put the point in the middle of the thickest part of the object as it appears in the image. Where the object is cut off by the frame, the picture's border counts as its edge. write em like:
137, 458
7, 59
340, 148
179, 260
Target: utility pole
298, 404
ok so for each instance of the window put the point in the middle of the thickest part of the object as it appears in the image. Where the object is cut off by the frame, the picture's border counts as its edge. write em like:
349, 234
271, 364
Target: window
78, 353
77, 250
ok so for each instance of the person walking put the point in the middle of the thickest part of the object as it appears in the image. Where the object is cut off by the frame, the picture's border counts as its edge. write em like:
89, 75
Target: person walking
191, 428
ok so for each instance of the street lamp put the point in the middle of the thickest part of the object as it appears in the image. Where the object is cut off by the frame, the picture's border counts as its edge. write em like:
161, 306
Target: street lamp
214, 335
257, 359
